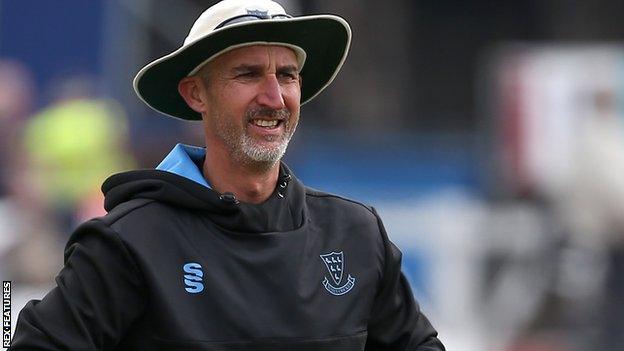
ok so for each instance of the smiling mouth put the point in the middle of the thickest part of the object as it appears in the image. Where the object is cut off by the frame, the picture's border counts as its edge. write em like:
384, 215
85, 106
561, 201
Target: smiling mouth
266, 123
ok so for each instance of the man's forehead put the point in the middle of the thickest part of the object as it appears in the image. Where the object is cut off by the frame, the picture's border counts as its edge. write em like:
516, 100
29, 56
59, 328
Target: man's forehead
258, 54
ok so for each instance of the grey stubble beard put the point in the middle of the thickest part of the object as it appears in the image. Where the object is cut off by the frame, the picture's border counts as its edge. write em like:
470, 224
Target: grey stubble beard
245, 150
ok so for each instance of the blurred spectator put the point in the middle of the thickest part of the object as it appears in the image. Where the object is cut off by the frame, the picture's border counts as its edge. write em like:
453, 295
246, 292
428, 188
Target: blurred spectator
592, 209
72, 146
16, 98
584, 305
28, 250
561, 147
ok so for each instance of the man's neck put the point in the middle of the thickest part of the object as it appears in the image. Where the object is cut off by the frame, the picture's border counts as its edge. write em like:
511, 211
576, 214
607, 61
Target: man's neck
248, 183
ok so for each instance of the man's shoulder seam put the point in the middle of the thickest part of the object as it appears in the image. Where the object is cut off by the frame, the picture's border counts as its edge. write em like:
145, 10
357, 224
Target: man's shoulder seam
123, 209
317, 193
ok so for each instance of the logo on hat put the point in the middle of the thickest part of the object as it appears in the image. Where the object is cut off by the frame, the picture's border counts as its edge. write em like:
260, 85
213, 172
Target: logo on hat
258, 12
335, 266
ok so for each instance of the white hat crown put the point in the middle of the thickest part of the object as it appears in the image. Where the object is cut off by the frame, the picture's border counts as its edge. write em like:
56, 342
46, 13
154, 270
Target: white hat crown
226, 10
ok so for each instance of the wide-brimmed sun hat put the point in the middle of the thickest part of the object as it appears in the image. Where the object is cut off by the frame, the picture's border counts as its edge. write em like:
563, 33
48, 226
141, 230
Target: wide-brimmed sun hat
321, 43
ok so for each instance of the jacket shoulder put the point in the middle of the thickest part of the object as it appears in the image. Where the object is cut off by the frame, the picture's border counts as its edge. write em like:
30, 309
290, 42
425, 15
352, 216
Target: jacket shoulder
122, 210
333, 202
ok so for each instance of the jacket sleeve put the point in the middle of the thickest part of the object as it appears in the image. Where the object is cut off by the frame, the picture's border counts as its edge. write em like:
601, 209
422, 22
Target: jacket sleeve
98, 295
396, 322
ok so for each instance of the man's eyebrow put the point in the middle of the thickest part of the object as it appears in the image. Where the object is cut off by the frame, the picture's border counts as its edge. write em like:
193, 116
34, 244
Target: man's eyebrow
246, 68
288, 68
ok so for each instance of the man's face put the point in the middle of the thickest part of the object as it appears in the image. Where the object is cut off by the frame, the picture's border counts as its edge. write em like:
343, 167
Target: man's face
253, 99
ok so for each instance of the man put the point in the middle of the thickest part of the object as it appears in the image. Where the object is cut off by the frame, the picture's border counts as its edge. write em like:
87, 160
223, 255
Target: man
223, 248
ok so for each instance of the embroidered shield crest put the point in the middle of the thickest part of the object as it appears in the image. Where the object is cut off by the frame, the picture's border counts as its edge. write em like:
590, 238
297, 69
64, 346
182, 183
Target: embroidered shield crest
334, 262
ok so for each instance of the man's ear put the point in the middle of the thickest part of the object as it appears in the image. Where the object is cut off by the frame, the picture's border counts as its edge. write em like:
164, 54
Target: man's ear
190, 89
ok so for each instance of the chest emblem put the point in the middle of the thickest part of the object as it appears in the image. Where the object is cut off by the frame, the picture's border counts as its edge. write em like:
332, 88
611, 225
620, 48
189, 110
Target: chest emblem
336, 285
193, 278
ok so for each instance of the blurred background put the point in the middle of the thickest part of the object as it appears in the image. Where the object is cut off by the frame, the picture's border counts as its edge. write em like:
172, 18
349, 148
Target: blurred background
489, 135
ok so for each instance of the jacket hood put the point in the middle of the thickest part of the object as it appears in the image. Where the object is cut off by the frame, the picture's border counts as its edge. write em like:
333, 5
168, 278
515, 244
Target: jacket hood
282, 211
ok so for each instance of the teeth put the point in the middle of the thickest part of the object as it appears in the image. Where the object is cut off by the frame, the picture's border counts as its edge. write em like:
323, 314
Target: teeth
265, 123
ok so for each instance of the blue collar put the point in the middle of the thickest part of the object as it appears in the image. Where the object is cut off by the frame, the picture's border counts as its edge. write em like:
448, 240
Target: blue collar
183, 160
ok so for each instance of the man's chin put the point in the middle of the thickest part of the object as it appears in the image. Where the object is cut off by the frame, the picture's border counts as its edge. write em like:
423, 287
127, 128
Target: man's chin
265, 153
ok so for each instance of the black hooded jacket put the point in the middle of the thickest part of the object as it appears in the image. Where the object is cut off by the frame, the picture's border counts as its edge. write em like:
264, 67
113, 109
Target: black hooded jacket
175, 265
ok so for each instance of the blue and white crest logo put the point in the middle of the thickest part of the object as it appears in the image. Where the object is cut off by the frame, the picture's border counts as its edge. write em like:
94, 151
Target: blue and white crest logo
335, 266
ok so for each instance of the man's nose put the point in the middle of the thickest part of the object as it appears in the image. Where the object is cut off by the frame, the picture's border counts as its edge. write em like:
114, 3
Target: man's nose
270, 94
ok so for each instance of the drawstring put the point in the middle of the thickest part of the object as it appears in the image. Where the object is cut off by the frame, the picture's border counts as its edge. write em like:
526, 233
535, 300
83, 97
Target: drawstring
283, 183
281, 187
229, 197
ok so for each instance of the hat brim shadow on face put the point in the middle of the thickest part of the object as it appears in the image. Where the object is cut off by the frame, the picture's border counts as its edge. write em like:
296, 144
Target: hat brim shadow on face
324, 38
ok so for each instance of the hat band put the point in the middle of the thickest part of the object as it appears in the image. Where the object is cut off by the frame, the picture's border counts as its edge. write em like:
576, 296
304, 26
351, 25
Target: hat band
249, 17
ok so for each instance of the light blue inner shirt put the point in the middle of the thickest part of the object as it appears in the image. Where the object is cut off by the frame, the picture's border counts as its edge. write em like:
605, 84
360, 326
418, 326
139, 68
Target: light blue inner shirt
181, 161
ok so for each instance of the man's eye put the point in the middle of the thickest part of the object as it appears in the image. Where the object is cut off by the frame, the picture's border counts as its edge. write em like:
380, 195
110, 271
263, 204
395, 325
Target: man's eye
249, 74
288, 76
